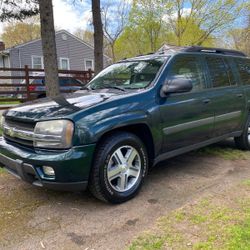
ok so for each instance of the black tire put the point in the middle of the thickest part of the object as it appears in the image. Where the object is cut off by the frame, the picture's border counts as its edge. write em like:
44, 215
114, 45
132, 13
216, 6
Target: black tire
99, 184
242, 141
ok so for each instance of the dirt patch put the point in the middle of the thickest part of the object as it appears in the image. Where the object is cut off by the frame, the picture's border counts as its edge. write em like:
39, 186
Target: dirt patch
41, 219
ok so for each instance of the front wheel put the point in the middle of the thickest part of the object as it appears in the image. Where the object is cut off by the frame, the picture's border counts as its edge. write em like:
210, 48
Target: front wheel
119, 168
243, 141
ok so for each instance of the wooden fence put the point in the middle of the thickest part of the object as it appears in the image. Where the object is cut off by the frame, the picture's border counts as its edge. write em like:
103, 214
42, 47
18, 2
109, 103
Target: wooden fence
16, 83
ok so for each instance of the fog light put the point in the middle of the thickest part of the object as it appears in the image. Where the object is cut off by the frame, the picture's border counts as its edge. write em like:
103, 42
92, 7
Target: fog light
49, 171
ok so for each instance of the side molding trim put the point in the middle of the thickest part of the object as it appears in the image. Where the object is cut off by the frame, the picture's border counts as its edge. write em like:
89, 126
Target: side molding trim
188, 125
194, 124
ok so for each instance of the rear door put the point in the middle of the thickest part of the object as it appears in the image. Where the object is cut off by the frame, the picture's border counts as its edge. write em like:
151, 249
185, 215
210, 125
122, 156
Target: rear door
227, 96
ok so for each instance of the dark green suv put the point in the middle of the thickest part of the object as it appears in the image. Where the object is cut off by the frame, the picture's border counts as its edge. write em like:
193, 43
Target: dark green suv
132, 115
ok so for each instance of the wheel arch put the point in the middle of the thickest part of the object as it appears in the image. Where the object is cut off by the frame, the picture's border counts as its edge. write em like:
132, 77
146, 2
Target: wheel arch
141, 130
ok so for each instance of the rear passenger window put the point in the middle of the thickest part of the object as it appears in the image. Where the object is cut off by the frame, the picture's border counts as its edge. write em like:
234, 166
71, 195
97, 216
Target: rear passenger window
244, 70
188, 67
218, 72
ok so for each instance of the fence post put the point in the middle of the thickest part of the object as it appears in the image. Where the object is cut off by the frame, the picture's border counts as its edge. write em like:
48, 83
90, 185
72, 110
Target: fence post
27, 81
90, 74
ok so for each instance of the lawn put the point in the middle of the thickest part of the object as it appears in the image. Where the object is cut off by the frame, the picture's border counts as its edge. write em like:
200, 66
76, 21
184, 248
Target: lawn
4, 102
215, 222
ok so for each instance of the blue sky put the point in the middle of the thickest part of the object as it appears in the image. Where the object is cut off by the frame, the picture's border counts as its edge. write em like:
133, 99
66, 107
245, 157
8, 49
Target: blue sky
71, 16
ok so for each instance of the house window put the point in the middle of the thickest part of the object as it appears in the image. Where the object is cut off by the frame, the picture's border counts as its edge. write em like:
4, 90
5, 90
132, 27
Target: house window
64, 63
89, 64
37, 62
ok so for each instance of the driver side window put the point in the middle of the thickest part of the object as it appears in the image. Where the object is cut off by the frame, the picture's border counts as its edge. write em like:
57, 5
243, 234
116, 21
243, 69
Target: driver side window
187, 67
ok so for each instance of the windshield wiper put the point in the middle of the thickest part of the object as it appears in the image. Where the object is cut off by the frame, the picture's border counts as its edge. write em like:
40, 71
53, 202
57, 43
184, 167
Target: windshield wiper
113, 87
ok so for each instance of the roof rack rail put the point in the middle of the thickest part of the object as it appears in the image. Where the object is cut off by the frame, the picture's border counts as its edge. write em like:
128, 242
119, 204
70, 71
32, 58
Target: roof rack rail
214, 50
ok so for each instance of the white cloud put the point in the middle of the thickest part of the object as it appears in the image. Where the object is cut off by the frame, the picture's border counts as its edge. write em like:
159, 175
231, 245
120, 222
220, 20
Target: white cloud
68, 16
185, 12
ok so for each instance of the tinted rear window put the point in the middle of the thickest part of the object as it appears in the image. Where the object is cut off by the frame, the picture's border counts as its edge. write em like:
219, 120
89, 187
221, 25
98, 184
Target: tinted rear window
218, 72
243, 66
68, 81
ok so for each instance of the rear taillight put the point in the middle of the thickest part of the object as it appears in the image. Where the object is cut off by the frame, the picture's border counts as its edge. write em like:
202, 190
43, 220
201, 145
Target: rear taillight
32, 88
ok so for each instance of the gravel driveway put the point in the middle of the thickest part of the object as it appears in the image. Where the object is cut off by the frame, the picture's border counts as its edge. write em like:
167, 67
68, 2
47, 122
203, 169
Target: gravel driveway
33, 218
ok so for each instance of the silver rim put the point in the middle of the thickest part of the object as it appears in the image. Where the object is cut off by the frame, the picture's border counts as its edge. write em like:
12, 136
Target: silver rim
124, 168
248, 134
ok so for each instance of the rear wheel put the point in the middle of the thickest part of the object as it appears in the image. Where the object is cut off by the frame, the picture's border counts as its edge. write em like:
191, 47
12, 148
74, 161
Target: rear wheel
243, 141
119, 168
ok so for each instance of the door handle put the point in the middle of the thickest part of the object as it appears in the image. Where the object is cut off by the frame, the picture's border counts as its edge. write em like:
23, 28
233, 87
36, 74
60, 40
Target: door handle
206, 101
239, 95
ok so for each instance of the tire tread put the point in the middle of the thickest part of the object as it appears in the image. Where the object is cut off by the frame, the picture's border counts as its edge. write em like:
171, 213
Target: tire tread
94, 182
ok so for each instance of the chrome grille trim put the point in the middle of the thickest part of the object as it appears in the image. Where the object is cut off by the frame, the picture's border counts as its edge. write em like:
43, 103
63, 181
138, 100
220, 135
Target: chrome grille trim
27, 136
17, 133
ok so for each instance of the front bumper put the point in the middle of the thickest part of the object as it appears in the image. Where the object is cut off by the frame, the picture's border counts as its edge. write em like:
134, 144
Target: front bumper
72, 167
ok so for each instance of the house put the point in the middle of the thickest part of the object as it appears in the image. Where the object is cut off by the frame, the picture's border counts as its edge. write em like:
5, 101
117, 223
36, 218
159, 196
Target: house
72, 52
167, 48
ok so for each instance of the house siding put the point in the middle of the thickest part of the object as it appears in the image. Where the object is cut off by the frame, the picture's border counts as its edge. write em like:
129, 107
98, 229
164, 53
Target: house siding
71, 48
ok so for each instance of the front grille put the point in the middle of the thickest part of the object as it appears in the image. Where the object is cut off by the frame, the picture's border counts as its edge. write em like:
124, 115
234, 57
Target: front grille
19, 132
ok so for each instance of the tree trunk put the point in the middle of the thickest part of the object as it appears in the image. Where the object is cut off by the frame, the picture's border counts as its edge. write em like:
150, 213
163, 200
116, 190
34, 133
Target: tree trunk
98, 35
49, 48
112, 45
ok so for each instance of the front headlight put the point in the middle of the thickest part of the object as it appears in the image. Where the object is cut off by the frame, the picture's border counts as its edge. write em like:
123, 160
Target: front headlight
55, 134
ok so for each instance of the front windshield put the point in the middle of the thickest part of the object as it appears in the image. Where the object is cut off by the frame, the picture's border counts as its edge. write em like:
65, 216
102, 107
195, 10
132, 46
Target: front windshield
128, 75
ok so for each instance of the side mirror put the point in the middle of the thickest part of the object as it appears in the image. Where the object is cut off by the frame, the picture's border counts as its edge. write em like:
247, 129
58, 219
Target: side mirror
180, 85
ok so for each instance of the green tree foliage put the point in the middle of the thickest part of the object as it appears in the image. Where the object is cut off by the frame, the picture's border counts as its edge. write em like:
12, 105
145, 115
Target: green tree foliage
240, 38
145, 30
212, 17
16, 33
180, 22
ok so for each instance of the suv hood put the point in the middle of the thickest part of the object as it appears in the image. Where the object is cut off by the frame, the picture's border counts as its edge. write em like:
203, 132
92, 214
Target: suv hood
48, 108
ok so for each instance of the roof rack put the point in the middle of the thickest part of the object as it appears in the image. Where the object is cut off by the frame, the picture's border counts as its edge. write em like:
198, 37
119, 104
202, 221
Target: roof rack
214, 50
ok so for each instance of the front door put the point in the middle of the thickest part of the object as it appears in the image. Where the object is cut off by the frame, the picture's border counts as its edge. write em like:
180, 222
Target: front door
187, 118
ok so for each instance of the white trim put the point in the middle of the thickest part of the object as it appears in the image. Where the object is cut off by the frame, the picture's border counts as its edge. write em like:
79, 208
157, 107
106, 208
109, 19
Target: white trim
64, 58
32, 60
93, 66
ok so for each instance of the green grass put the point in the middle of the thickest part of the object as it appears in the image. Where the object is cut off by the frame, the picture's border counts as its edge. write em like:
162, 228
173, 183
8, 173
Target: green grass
246, 182
7, 103
148, 242
225, 153
3, 102
240, 236
217, 222
2, 171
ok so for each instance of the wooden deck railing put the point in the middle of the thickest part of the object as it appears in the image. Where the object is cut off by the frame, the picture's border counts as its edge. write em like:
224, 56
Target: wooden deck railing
15, 83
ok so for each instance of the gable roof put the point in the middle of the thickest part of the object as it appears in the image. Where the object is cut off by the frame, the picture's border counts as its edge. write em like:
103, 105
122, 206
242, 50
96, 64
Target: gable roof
56, 33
